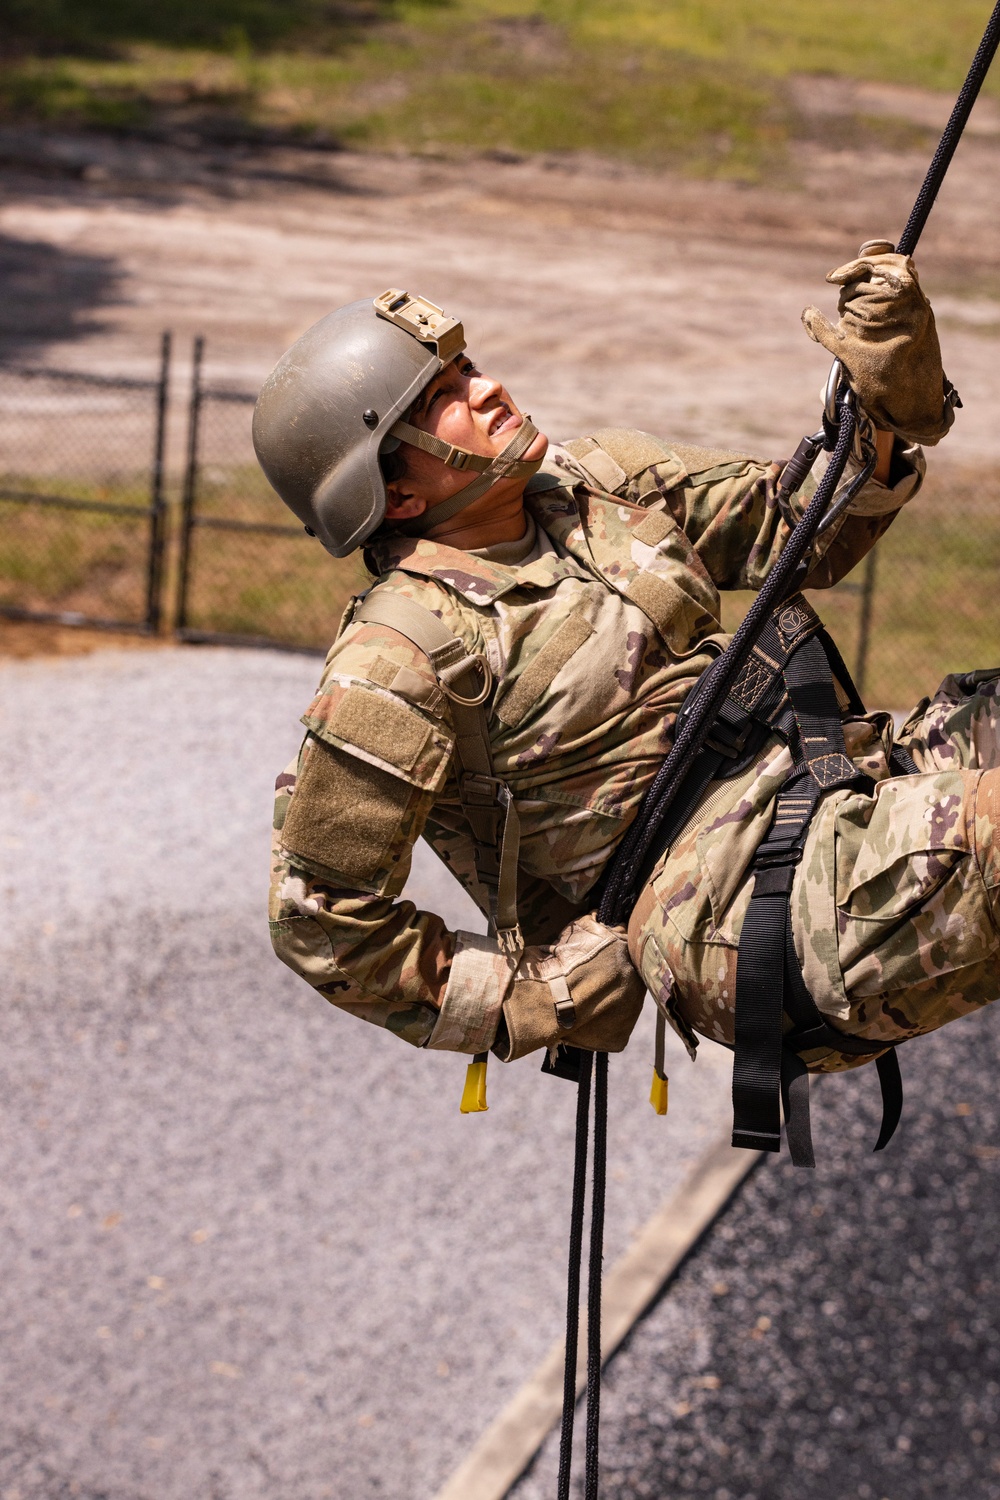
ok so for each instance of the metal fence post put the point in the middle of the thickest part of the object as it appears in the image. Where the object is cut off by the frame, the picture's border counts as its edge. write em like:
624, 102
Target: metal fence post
190, 483
865, 623
157, 503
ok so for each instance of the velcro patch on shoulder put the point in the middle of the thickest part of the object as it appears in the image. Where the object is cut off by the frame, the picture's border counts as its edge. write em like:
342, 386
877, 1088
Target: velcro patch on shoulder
380, 726
407, 683
632, 449
699, 461
655, 528
602, 468
382, 671
345, 815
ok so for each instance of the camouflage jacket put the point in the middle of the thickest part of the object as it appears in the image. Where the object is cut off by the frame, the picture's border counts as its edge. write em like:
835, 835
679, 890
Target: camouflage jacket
594, 646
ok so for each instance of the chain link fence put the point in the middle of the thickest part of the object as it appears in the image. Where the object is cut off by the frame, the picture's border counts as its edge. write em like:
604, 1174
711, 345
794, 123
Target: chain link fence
83, 535
247, 575
82, 507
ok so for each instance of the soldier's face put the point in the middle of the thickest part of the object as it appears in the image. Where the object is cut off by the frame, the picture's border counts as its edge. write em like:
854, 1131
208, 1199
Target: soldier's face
470, 410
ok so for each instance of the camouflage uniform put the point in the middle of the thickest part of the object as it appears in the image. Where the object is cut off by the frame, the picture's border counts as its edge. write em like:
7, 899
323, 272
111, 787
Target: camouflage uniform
595, 640
896, 903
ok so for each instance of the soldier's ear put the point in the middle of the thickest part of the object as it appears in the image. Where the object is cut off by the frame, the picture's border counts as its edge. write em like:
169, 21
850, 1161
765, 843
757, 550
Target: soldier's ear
403, 506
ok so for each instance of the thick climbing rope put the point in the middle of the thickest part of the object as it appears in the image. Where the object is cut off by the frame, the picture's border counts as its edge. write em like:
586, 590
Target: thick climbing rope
714, 684
712, 689
951, 135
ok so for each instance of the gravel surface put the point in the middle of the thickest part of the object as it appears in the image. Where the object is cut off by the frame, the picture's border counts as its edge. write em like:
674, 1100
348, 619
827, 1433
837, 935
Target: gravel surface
837, 1334
252, 1248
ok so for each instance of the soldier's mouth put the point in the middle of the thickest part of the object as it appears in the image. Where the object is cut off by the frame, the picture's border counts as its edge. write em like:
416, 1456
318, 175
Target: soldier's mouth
505, 420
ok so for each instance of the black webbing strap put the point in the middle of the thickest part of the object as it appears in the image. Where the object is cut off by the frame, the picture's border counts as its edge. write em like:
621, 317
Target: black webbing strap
771, 994
817, 718
761, 971
744, 720
584, 1064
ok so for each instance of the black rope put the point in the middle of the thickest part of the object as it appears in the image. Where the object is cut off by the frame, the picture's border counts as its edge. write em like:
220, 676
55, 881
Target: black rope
592, 1475
573, 1276
951, 135
714, 685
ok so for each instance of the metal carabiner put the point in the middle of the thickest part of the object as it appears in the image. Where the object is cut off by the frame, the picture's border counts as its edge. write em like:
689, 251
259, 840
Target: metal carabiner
833, 382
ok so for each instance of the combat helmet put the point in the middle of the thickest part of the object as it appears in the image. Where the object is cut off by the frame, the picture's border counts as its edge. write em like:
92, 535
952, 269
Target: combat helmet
337, 400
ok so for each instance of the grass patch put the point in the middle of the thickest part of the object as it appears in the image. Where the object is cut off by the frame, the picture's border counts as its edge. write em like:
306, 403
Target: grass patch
699, 86
74, 561
285, 588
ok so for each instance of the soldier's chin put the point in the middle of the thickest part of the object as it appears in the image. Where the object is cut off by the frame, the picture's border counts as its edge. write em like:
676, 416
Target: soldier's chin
538, 448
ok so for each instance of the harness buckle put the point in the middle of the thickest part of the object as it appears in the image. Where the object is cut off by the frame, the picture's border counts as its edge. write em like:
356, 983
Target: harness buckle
773, 856
726, 740
484, 791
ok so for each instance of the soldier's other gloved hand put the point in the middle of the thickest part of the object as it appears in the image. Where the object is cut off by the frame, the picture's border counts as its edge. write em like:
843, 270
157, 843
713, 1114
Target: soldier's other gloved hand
582, 991
886, 340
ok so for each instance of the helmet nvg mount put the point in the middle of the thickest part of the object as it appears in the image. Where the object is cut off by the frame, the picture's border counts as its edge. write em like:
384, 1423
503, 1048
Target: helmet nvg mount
338, 398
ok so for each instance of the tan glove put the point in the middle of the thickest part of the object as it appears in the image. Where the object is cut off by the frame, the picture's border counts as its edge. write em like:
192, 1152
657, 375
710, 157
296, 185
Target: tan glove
582, 991
888, 344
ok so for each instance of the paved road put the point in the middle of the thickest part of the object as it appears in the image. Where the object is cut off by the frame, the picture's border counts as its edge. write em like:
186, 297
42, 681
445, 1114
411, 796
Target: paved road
251, 1247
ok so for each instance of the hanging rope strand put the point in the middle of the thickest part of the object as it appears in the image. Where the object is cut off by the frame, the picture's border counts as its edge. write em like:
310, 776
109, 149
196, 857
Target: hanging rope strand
573, 1276
592, 1471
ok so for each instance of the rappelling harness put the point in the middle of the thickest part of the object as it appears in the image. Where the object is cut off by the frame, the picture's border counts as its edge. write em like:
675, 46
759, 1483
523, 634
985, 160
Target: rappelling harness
793, 685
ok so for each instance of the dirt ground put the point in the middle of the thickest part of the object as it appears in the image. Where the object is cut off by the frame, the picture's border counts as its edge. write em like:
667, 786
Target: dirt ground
603, 294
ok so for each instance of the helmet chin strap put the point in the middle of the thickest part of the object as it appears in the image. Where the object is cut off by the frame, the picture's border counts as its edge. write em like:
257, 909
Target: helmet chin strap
508, 464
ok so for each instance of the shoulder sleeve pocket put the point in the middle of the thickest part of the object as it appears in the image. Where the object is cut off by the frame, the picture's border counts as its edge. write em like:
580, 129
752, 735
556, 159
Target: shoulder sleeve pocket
348, 816
379, 728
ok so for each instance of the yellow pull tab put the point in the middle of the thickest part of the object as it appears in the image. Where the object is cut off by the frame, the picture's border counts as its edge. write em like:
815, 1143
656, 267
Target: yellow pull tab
474, 1093
658, 1093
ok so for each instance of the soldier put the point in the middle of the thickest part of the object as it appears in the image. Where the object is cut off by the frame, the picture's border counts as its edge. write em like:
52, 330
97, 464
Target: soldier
572, 592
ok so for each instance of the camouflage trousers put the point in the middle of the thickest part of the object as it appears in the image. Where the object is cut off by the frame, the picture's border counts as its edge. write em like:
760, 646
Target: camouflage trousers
896, 902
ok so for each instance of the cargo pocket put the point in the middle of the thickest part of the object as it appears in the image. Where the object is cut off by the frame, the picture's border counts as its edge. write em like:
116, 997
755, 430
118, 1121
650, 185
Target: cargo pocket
671, 585
367, 778
896, 849
911, 906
